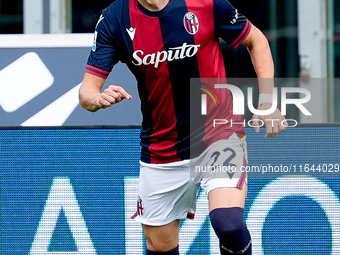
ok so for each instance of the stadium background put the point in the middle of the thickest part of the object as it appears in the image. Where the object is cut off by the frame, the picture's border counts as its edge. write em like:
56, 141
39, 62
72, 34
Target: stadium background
68, 177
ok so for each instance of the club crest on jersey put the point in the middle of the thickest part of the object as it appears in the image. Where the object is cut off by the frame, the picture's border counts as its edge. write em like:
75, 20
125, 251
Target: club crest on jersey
191, 23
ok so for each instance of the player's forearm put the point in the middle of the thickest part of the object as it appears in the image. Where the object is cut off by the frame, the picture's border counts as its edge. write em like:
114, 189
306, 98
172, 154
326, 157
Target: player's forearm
91, 97
88, 99
262, 59
90, 92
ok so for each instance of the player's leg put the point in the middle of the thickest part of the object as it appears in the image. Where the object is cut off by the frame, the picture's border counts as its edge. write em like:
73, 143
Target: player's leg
227, 191
162, 239
166, 194
226, 215
227, 197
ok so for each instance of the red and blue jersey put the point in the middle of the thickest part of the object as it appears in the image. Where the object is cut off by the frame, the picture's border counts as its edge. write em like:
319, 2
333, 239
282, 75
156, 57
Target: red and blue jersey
164, 50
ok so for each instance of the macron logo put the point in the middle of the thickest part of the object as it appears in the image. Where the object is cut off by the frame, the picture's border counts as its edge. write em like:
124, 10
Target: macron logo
131, 31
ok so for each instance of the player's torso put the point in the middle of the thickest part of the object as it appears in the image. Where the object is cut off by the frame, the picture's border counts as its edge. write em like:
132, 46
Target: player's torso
165, 50
182, 33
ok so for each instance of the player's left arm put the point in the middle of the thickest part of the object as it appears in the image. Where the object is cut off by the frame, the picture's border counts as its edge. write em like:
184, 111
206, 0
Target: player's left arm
261, 56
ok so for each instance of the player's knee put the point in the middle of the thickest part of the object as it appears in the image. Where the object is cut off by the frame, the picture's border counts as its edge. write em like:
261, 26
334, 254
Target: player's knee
230, 228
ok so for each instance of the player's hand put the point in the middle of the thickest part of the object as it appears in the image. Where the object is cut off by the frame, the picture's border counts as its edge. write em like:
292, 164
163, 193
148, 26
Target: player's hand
112, 95
272, 121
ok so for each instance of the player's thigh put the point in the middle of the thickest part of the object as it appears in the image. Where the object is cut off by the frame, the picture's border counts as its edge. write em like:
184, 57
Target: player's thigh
227, 197
226, 187
162, 238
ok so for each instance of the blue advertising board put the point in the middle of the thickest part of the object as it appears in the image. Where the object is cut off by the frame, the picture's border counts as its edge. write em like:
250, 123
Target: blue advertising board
73, 190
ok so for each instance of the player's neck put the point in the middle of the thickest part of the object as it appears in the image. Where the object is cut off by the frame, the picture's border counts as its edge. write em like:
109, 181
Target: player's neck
154, 5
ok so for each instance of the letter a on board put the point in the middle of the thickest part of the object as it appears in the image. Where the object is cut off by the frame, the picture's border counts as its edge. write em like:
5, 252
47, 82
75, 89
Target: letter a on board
62, 197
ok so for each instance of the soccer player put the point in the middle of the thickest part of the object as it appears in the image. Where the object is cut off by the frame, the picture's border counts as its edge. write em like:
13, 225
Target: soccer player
165, 43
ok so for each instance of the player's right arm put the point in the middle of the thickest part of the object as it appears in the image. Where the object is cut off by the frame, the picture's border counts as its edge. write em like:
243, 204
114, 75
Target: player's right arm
91, 97
100, 63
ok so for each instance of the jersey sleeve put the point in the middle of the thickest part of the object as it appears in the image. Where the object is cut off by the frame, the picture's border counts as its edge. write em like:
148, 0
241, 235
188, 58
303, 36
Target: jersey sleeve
232, 26
103, 55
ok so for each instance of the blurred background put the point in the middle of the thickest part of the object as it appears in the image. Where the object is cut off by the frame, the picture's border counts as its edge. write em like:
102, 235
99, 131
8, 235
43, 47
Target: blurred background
304, 36
60, 161
277, 19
